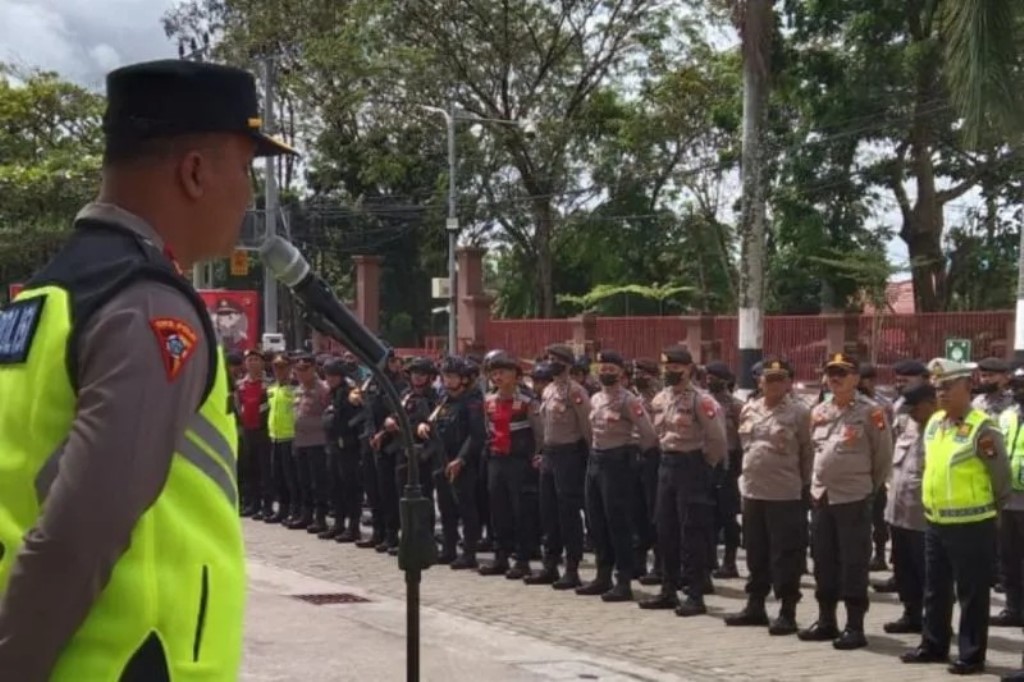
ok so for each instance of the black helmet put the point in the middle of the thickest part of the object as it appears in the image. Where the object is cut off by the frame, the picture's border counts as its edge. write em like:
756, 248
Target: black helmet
542, 371
421, 364
455, 365
500, 360
491, 354
582, 364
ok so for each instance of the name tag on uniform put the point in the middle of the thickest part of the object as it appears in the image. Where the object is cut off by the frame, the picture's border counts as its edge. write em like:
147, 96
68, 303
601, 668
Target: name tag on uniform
18, 324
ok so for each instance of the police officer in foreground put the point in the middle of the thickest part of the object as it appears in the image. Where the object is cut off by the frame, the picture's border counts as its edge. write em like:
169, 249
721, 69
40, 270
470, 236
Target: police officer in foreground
1011, 520
852, 456
966, 481
135, 445
691, 431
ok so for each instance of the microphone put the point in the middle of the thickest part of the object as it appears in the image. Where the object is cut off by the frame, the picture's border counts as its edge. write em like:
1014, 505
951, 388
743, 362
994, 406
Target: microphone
290, 268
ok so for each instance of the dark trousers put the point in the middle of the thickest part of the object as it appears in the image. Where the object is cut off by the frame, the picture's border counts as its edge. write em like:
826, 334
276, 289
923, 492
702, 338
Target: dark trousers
346, 487
257, 463
368, 471
609, 497
483, 496
388, 493
841, 536
908, 567
457, 501
879, 528
727, 505
686, 517
961, 555
425, 476
1011, 557
645, 497
508, 481
775, 537
287, 477
562, 475
311, 462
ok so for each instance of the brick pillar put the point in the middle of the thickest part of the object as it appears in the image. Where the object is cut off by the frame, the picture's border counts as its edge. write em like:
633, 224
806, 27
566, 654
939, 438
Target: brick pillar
842, 334
584, 335
368, 291
474, 309
700, 338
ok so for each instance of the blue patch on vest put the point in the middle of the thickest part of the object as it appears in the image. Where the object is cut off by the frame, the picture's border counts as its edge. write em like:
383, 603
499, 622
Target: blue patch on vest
18, 324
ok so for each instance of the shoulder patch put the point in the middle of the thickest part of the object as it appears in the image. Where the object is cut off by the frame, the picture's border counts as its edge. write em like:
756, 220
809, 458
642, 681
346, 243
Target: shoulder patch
878, 419
177, 341
987, 446
18, 325
638, 408
709, 406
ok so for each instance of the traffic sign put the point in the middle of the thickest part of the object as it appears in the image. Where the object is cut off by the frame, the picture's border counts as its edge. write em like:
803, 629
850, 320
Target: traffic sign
958, 350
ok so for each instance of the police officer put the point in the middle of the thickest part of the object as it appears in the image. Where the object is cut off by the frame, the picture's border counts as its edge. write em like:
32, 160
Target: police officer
727, 473
565, 413
966, 481
580, 373
311, 401
254, 460
1011, 520
691, 431
281, 427
344, 482
610, 472
386, 449
121, 351
458, 422
775, 431
515, 437
993, 395
879, 529
646, 385
852, 457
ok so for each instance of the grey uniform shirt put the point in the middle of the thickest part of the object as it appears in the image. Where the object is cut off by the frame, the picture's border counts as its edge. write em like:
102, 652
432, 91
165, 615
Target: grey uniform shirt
310, 404
616, 413
690, 419
129, 420
993, 404
777, 455
852, 450
904, 507
565, 411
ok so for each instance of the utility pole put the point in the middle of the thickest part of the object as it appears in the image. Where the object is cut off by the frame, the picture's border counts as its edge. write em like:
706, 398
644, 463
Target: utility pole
1018, 320
270, 199
452, 227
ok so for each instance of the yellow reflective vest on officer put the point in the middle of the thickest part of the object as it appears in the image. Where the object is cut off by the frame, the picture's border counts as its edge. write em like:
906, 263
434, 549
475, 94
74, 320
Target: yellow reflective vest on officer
1009, 424
281, 418
182, 579
956, 486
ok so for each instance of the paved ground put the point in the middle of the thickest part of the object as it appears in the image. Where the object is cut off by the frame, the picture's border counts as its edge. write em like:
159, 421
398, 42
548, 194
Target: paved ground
493, 629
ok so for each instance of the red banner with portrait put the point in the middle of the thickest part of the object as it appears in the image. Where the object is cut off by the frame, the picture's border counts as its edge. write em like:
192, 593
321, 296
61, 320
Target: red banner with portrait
14, 289
236, 317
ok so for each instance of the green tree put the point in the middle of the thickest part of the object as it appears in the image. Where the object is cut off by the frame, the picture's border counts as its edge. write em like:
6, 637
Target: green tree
50, 148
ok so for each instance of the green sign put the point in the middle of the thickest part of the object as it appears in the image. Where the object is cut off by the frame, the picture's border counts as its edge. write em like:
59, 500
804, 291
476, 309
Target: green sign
958, 350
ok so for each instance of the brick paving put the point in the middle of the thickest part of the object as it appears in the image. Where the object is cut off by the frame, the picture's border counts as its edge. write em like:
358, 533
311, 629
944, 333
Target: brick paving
701, 648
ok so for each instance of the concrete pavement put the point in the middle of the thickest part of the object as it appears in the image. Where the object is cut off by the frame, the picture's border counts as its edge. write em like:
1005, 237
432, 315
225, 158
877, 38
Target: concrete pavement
494, 629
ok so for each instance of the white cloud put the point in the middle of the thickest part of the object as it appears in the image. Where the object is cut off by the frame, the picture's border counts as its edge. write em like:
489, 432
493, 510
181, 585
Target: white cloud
82, 39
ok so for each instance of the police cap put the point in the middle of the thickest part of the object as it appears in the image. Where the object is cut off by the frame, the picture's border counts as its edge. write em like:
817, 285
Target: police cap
868, 371
174, 97
720, 370
560, 352
773, 365
610, 357
676, 354
842, 361
991, 364
915, 396
646, 365
910, 368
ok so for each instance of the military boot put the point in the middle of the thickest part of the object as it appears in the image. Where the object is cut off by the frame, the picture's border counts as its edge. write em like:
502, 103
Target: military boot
752, 615
878, 560
852, 636
330, 533
498, 566
824, 629
909, 622
548, 575
691, 606
570, 580
519, 570
785, 624
319, 524
599, 585
666, 599
372, 541
728, 569
622, 591
465, 561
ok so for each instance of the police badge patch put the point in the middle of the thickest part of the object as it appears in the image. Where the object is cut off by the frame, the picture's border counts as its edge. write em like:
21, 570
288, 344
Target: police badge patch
18, 325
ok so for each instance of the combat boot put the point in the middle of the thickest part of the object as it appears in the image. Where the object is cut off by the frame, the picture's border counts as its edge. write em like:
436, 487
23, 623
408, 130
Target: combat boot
498, 566
319, 524
464, 562
666, 599
570, 580
728, 568
752, 615
548, 575
852, 636
375, 539
447, 555
909, 622
519, 570
599, 585
824, 629
691, 606
1008, 617
878, 560
330, 533
785, 624
304, 521
623, 591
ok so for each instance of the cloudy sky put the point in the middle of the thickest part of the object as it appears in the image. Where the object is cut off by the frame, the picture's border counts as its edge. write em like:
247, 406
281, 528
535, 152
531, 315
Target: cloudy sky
82, 39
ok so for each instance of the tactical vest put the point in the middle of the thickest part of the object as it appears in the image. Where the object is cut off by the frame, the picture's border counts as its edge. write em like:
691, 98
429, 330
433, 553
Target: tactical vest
956, 487
1009, 424
178, 592
281, 419
521, 430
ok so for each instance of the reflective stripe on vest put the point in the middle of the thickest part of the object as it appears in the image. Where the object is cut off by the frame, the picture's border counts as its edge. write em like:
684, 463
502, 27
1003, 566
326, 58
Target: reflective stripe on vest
956, 487
1009, 424
182, 578
281, 421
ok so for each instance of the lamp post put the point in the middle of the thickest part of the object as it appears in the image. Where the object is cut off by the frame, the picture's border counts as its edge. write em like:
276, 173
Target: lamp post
451, 116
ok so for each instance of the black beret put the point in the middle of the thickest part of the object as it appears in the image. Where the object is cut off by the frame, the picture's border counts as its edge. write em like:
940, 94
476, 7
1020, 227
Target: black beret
993, 365
719, 369
843, 360
867, 371
173, 97
647, 365
561, 352
610, 357
918, 394
910, 368
676, 354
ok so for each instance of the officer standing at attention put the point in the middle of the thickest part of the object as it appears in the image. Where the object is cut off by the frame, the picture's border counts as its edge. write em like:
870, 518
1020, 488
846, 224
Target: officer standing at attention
727, 473
565, 413
966, 481
691, 430
879, 529
91, 587
610, 473
775, 429
1011, 519
993, 395
281, 427
852, 457
904, 511
646, 385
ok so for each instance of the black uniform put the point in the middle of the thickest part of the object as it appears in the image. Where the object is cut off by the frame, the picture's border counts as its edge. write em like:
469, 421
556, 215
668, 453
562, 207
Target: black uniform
385, 464
344, 484
459, 424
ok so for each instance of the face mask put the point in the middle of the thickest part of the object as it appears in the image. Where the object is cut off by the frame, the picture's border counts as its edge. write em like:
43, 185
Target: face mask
643, 383
716, 385
608, 379
673, 378
557, 367
988, 388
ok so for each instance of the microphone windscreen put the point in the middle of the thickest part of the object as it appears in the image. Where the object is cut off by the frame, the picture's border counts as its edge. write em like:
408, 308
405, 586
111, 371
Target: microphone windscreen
284, 261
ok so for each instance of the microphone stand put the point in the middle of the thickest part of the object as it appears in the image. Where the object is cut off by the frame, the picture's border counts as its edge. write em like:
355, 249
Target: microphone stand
417, 550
